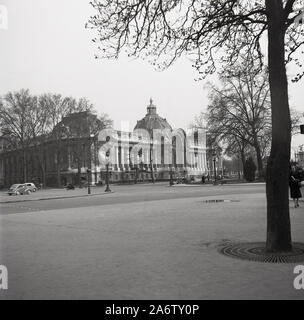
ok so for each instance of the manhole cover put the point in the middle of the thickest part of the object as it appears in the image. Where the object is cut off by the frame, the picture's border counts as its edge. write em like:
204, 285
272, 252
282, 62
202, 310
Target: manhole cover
256, 252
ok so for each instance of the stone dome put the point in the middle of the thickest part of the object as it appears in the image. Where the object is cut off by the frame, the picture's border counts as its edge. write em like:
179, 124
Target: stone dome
152, 120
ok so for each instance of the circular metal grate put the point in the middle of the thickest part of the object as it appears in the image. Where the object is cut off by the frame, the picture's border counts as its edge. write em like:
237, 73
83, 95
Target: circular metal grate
256, 252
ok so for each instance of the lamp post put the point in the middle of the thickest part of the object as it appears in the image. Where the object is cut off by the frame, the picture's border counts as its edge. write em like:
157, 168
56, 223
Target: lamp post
107, 176
89, 170
142, 171
140, 167
151, 160
214, 166
152, 172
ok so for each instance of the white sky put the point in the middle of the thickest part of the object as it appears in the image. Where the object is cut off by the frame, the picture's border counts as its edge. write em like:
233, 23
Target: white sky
47, 49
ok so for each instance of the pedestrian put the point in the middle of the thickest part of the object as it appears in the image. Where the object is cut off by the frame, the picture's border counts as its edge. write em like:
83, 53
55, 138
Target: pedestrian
295, 186
203, 179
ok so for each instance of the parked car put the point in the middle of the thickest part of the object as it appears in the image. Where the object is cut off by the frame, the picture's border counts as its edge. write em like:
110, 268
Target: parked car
31, 186
17, 189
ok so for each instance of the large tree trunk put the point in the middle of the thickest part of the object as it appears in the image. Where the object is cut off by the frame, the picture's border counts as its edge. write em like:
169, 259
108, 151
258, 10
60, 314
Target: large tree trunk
278, 219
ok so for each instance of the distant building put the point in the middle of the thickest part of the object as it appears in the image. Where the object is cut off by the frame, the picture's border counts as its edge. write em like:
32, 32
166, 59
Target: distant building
49, 160
71, 149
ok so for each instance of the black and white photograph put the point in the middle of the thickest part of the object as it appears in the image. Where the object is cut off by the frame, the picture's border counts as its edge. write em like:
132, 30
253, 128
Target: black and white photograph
151, 153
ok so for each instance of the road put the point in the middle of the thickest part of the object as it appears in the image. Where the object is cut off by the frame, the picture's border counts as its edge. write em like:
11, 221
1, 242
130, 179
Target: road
126, 194
141, 242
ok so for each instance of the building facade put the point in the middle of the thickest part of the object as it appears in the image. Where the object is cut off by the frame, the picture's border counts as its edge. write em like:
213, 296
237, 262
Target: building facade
75, 153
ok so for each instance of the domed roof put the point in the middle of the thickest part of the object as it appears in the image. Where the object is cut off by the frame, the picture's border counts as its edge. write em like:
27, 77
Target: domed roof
152, 120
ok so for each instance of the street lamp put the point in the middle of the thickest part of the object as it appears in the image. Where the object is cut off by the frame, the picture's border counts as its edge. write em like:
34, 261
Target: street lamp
214, 166
140, 167
107, 174
89, 170
152, 171
151, 160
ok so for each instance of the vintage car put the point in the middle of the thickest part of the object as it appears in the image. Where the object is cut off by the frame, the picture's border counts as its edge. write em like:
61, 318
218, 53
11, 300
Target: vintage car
17, 189
31, 186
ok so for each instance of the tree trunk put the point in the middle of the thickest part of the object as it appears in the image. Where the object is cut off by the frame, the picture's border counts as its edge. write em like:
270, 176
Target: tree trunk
243, 159
278, 219
239, 167
259, 158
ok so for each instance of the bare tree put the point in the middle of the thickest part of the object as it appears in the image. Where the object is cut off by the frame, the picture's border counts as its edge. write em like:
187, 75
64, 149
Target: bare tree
82, 137
17, 123
240, 109
38, 126
232, 138
61, 131
217, 30
30, 123
238, 148
56, 107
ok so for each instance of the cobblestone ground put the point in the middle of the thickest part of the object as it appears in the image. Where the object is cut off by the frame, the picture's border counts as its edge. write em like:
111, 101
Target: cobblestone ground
148, 249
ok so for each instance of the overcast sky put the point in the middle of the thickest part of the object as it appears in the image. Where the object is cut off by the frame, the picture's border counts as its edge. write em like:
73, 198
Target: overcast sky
47, 49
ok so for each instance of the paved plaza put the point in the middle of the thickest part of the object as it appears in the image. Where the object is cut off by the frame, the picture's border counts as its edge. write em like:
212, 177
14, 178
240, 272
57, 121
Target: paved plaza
140, 242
